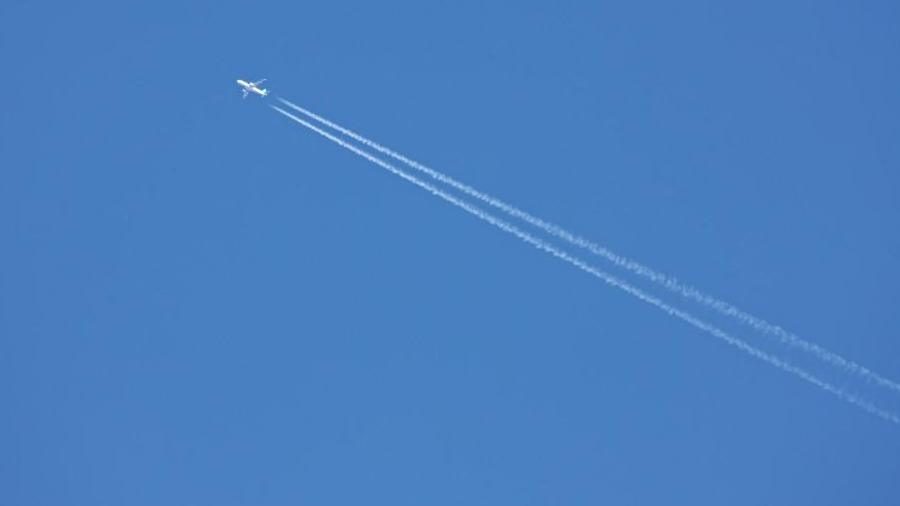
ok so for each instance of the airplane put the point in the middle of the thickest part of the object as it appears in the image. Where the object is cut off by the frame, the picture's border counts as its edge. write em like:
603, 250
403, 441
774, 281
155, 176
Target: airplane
252, 87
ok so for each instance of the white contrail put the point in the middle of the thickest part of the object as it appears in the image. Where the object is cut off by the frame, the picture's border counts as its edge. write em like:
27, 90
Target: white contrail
657, 277
609, 279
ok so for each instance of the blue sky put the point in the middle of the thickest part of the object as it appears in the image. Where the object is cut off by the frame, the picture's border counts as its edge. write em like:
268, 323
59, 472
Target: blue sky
201, 302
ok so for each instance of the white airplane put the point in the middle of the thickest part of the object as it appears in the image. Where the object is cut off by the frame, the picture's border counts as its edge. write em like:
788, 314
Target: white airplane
252, 87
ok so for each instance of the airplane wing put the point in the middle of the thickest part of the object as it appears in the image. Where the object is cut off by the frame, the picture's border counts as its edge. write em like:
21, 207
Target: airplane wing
244, 93
257, 83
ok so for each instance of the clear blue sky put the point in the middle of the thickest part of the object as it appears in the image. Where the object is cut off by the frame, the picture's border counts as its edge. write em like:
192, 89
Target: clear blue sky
203, 303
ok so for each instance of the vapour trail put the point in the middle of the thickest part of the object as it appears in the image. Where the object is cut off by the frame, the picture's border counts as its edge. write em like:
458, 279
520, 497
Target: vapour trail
609, 279
666, 281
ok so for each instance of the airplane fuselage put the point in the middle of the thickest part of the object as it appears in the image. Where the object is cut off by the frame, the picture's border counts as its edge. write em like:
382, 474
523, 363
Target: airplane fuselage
251, 88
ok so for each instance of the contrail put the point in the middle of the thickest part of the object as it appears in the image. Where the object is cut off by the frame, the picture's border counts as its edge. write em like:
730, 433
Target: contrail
609, 279
666, 281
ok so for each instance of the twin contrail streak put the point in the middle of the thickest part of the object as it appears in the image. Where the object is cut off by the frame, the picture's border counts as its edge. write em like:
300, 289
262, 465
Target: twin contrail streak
609, 279
664, 280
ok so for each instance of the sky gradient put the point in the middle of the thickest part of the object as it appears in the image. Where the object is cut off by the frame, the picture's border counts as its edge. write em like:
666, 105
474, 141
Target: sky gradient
202, 302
